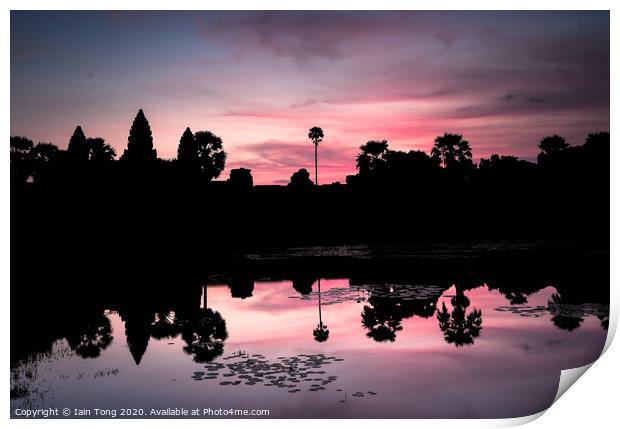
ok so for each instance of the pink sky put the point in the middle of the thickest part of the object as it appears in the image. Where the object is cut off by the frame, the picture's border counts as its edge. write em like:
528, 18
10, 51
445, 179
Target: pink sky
261, 80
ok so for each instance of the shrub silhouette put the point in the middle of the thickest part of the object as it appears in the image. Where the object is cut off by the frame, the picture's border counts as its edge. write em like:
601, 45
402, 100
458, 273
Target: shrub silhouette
300, 179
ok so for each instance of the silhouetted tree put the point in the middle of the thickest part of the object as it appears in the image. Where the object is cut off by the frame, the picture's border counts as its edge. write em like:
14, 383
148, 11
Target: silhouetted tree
598, 138
100, 151
78, 149
211, 155
20, 163
413, 168
40, 157
552, 151
373, 156
452, 150
500, 171
552, 145
140, 141
187, 152
315, 134
300, 179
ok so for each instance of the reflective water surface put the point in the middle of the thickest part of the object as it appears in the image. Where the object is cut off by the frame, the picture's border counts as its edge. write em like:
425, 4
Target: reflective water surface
334, 347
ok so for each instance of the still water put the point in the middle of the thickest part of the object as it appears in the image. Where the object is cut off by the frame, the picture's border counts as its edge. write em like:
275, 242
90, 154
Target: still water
351, 350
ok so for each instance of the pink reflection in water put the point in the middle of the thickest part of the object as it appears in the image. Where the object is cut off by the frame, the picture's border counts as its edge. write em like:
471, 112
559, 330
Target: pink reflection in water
512, 369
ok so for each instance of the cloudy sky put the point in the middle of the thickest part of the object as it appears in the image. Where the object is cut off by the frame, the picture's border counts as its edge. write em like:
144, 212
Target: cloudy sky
260, 80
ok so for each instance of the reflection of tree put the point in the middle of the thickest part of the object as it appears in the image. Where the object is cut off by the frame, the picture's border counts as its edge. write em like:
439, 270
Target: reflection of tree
388, 306
516, 298
566, 320
459, 328
382, 325
205, 333
164, 326
90, 336
321, 333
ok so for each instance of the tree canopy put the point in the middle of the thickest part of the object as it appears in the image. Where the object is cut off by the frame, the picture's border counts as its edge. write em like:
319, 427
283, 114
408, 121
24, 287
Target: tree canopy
211, 154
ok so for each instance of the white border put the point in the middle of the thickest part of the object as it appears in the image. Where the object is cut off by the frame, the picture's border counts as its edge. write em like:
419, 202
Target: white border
591, 402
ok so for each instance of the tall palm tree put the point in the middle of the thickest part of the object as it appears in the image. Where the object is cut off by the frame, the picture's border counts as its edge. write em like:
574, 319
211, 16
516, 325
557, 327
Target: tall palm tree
316, 135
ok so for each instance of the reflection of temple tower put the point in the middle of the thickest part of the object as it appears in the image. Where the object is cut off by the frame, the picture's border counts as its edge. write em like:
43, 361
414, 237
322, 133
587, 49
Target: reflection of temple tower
137, 331
241, 286
302, 283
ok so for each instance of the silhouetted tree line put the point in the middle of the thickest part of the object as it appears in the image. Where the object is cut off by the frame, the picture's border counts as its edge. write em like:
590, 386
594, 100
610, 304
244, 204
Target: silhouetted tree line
451, 162
201, 154
395, 195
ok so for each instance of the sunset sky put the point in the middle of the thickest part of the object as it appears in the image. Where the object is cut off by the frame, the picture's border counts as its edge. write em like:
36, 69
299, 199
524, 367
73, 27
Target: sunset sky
260, 80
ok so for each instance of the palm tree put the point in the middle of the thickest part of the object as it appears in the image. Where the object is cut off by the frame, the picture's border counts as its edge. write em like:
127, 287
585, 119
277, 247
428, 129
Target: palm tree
459, 328
321, 333
316, 135
452, 150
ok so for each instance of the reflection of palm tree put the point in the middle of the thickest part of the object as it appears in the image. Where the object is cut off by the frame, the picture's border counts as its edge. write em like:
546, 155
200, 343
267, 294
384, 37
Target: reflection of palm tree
321, 333
382, 326
316, 135
459, 328
91, 336
205, 334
